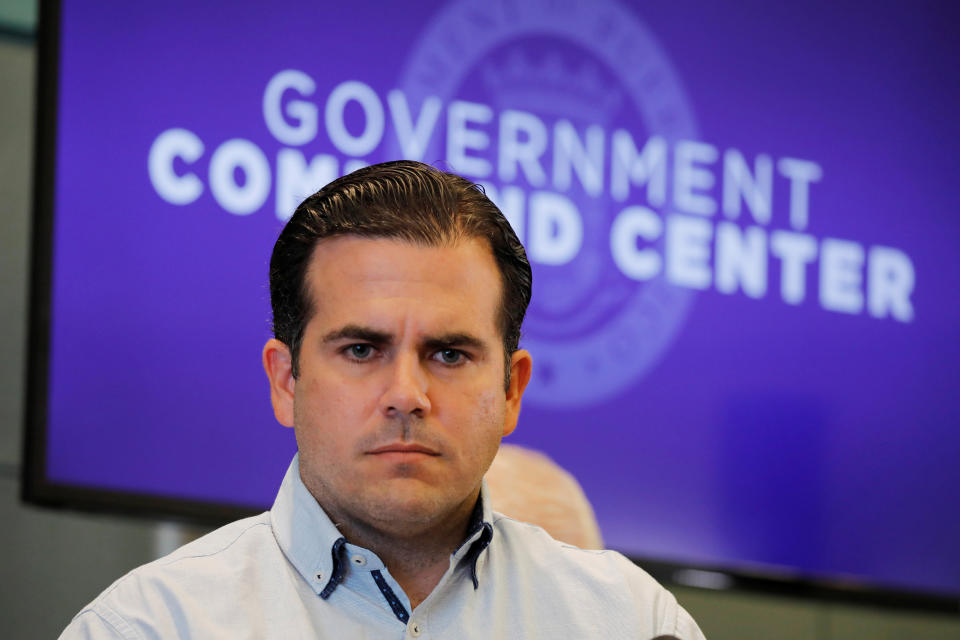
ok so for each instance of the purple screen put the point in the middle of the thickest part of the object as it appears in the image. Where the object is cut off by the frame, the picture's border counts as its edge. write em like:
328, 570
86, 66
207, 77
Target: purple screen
741, 220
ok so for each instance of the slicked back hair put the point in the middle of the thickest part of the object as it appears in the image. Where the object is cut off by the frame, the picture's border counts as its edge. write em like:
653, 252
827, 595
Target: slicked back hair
403, 200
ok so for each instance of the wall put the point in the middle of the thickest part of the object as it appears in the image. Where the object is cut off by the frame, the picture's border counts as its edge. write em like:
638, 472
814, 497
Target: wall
53, 562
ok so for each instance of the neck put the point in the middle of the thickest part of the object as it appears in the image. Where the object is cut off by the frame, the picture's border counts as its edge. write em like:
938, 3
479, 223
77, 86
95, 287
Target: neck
416, 559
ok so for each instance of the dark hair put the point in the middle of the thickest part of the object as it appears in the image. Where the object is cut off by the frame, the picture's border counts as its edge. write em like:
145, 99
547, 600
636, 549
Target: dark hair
405, 200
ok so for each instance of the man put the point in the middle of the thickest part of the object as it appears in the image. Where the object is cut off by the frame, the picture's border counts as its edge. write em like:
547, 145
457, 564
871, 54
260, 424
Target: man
398, 293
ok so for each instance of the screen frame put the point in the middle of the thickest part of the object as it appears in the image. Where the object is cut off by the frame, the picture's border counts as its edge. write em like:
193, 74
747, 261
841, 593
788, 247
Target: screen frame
37, 488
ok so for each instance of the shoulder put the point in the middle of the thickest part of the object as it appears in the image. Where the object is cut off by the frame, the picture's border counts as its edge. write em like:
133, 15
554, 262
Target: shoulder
227, 545
168, 587
530, 544
605, 579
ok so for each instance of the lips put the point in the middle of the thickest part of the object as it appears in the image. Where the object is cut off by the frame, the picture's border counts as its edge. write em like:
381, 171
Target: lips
403, 448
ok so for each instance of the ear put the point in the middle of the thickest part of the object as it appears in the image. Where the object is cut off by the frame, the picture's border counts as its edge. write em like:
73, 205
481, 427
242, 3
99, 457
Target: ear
521, 364
279, 367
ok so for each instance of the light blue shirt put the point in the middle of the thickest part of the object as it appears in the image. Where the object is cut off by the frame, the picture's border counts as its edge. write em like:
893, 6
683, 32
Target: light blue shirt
290, 574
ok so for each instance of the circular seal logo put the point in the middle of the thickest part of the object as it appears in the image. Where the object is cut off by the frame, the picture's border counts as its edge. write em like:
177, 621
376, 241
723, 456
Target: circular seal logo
580, 72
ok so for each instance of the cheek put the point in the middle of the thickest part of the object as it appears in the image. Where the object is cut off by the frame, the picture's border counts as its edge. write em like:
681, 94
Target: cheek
483, 425
323, 415
492, 405
330, 393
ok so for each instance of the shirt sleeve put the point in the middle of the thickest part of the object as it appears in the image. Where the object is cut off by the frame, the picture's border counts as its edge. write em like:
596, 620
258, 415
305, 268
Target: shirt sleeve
658, 607
686, 627
99, 624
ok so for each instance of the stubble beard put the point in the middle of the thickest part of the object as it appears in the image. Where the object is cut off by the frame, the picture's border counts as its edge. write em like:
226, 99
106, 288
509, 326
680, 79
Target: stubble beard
402, 505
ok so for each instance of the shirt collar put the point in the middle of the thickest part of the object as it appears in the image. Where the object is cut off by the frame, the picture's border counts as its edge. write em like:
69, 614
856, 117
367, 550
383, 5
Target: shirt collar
308, 538
315, 547
479, 535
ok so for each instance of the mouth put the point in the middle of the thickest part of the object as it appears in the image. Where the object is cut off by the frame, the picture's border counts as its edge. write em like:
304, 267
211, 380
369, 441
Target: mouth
403, 450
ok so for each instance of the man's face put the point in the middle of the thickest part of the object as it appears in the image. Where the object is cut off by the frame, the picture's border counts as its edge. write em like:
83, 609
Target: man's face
399, 407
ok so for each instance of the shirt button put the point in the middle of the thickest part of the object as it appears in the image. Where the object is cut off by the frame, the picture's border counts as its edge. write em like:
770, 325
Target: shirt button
358, 560
415, 629
319, 576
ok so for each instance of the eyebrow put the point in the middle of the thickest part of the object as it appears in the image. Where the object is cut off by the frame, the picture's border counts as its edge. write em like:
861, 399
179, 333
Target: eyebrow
450, 340
381, 338
357, 332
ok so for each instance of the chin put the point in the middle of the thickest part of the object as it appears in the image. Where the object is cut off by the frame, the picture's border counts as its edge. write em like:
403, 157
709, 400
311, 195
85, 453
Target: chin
412, 508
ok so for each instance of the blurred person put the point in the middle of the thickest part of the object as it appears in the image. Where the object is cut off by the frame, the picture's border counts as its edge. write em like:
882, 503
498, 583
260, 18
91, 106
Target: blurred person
527, 485
398, 293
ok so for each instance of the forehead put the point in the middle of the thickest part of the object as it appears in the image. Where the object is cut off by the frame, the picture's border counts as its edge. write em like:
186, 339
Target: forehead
350, 274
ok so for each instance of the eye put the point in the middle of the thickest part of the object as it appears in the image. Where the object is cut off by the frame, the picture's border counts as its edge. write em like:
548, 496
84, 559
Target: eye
450, 356
360, 351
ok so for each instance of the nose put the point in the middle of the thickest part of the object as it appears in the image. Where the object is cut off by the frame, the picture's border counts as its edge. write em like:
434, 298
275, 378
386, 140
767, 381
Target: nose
406, 390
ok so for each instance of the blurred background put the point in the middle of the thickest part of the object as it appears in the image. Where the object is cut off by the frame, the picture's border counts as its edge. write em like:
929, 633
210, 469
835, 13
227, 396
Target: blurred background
745, 508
